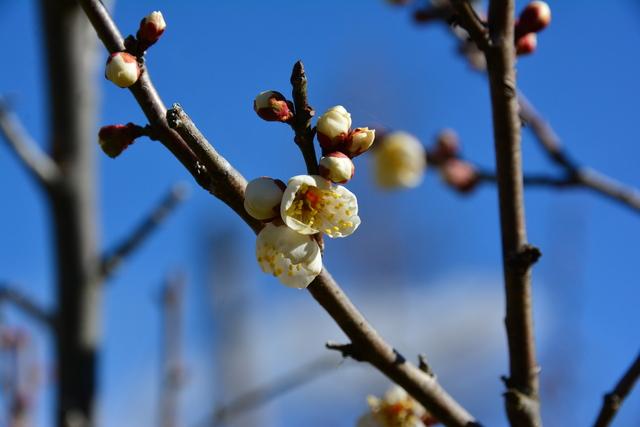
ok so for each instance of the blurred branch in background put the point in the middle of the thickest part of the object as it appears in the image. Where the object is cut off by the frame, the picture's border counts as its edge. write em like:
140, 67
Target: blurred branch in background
613, 400
116, 256
172, 365
11, 294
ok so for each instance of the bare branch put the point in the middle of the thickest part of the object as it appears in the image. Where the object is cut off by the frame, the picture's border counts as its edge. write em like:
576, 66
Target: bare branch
21, 301
143, 231
468, 19
613, 400
521, 398
301, 123
262, 395
37, 162
215, 174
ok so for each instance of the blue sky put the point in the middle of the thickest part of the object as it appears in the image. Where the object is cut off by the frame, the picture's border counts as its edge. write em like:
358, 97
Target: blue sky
214, 58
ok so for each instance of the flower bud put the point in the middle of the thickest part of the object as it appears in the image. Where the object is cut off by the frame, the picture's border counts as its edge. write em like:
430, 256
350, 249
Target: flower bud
262, 198
114, 139
359, 141
460, 175
534, 18
399, 161
337, 167
527, 44
151, 28
333, 127
122, 69
272, 106
447, 147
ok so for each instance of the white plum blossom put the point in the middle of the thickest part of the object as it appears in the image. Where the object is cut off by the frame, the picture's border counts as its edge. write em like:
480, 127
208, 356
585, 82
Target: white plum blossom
122, 69
262, 198
360, 141
400, 161
395, 409
294, 258
333, 126
312, 204
336, 167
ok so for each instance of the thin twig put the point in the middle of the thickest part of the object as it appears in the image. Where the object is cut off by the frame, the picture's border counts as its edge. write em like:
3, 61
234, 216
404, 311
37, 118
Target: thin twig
301, 123
26, 304
215, 174
613, 400
115, 257
468, 19
532, 180
262, 395
37, 162
521, 397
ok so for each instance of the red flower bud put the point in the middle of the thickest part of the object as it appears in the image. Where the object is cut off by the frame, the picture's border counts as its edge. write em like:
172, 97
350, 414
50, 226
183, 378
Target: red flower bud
114, 139
534, 18
272, 106
527, 44
151, 28
447, 147
460, 175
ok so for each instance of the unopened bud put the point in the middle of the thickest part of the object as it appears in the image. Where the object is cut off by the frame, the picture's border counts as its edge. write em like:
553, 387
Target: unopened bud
114, 139
527, 44
460, 175
151, 28
333, 127
359, 141
272, 106
122, 69
262, 198
534, 18
447, 146
336, 167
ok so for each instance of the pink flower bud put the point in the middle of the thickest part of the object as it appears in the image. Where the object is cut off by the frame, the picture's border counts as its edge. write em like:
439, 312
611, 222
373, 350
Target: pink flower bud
333, 127
272, 106
122, 69
359, 141
336, 167
151, 28
114, 139
527, 44
447, 146
460, 175
534, 18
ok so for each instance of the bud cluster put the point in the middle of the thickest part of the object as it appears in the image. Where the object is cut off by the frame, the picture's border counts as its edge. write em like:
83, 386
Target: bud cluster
459, 174
535, 17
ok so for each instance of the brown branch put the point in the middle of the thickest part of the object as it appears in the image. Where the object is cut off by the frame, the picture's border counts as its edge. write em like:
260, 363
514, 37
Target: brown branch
262, 395
521, 397
467, 18
532, 180
115, 257
25, 304
613, 400
301, 123
215, 174
37, 162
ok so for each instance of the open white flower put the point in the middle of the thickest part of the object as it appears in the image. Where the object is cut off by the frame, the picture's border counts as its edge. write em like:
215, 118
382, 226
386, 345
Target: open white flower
396, 409
293, 258
400, 161
312, 204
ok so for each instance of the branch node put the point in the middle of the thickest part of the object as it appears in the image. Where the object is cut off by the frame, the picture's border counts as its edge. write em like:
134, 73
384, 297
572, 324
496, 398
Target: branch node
348, 350
525, 257
424, 365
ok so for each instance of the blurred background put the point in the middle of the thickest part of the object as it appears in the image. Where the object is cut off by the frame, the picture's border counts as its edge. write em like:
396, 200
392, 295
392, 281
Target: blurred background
425, 265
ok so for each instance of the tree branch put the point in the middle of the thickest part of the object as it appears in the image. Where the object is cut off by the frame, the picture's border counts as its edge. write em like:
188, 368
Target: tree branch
115, 257
302, 120
613, 400
521, 397
27, 305
37, 162
468, 19
215, 174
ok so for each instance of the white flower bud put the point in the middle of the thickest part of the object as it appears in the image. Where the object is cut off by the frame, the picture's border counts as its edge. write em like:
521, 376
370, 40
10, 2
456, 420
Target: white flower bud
262, 198
294, 258
400, 161
337, 167
312, 204
333, 127
272, 106
360, 140
122, 69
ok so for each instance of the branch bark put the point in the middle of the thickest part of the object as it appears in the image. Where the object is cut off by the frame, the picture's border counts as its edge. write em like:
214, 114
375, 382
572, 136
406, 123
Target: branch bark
613, 400
521, 397
70, 48
37, 162
115, 257
216, 175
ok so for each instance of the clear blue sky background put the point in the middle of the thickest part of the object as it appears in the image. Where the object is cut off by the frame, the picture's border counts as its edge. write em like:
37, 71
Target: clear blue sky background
216, 56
